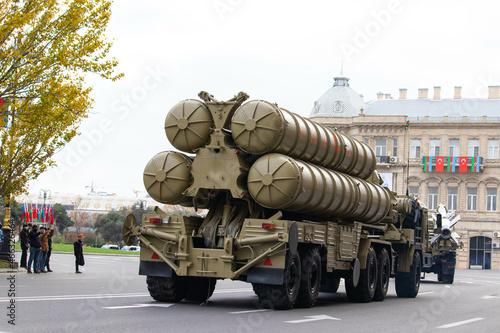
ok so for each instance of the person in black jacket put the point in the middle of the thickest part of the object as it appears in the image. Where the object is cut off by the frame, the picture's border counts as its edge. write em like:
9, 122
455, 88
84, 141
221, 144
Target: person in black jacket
24, 236
35, 248
47, 262
79, 261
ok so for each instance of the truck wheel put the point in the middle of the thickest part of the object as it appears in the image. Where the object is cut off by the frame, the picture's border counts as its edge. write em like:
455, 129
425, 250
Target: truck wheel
310, 278
407, 284
167, 289
384, 275
200, 289
448, 278
365, 290
282, 297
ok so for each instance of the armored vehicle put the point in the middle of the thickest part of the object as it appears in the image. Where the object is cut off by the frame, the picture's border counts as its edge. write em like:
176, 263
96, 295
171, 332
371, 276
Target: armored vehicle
292, 207
441, 252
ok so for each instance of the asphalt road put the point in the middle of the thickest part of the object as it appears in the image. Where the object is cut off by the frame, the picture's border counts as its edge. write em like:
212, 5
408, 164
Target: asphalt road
111, 297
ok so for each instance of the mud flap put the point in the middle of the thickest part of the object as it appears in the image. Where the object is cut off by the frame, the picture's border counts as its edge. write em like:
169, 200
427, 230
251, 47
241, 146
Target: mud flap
155, 268
265, 275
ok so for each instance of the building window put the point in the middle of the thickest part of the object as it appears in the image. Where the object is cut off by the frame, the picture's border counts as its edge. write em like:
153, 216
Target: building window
367, 141
452, 198
434, 147
395, 147
433, 198
491, 199
480, 252
380, 147
473, 147
492, 148
413, 190
472, 198
454, 147
415, 148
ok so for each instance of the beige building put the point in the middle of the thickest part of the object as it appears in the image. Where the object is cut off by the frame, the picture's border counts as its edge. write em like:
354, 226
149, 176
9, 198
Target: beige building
448, 153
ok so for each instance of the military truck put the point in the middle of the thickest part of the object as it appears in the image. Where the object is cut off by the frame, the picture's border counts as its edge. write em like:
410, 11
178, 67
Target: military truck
441, 252
292, 207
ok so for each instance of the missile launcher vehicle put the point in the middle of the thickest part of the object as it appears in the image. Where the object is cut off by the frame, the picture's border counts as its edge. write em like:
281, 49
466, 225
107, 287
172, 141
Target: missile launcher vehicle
292, 207
440, 255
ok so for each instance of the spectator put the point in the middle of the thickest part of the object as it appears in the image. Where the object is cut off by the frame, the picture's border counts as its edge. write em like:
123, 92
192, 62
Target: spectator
35, 246
79, 261
1, 235
45, 247
24, 236
47, 262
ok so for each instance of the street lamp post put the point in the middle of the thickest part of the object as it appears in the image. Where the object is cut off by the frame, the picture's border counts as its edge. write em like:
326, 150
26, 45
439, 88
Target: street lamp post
5, 250
45, 192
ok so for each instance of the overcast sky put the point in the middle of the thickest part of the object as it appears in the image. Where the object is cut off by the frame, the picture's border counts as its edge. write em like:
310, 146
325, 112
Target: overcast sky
282, 51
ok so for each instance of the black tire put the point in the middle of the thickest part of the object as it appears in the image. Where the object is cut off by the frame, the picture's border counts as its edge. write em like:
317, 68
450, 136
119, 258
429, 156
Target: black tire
365, 290
200, 289
384, 275
167, 289
408, 284
282, 297
310, 281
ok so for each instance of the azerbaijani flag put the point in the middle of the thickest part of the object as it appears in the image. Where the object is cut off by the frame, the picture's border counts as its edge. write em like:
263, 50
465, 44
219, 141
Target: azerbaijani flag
52, 214
451, 164
476, 163
428, 164
439, 163
23, 216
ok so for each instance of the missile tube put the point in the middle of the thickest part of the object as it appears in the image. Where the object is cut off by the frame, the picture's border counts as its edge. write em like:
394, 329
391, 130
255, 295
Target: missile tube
279, 182
260, 127
166, 176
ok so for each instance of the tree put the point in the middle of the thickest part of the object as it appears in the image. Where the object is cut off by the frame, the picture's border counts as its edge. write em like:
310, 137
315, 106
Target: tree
61, 218
110, 226
77, 213
47, 49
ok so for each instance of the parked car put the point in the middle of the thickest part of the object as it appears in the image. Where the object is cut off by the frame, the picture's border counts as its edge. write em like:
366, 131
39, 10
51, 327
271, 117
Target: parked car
110, 246
131, 248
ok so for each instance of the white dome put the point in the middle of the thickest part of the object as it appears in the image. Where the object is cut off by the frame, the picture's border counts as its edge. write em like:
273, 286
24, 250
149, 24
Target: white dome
338, 101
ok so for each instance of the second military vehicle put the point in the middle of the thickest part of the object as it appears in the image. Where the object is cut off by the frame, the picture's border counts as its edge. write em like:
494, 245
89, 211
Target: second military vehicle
293, 207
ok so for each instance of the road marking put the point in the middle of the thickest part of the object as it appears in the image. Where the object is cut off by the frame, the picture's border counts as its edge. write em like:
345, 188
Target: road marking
139, 306
426, 293
71, 297
447, 286
249, 311
467, 282
490, 297
458, 323
311, 318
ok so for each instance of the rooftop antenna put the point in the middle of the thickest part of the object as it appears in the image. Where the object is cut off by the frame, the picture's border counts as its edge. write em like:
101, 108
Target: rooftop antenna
342, 68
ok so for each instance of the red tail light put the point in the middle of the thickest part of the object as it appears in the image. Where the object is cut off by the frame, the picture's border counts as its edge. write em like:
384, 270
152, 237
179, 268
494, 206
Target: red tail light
269, 226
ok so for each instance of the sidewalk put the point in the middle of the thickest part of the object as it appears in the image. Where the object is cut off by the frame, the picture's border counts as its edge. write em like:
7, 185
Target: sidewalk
23, 270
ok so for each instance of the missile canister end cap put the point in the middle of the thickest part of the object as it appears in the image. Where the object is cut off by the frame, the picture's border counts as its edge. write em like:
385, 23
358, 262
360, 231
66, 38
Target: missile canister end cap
188, 125
166, 176
274, 181
256, 126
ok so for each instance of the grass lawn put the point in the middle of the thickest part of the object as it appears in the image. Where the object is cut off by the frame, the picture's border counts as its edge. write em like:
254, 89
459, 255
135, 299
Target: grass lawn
56, 247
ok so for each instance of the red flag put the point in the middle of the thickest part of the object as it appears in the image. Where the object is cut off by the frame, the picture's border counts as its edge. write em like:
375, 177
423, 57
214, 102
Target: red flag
463, 164
52, 214
440, 164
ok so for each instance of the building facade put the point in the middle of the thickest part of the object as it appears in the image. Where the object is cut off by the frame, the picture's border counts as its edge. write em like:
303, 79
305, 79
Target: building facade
440, 150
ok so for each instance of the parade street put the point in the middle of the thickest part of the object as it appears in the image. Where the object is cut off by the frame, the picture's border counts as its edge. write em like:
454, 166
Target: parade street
111, 297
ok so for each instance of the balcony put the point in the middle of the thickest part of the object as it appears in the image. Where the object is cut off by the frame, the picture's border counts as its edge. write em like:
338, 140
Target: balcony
452, 164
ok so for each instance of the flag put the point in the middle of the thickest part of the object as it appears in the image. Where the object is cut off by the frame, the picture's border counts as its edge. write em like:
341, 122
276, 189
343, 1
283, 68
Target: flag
451, 164
52, 214
28, 216
40, 214
463, 164
440, 164
23, 215
427, 163
475, 164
